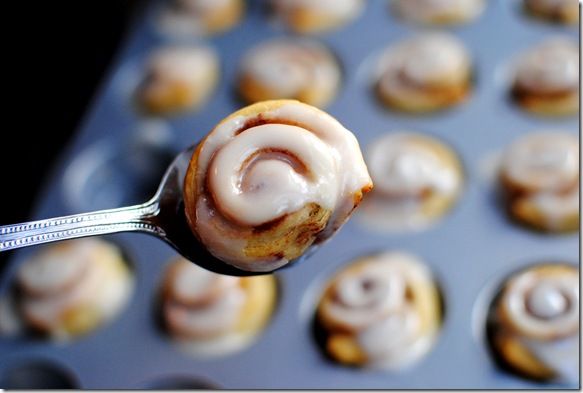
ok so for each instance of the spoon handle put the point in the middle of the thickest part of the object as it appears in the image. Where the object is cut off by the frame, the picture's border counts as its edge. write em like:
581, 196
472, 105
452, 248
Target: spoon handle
133, 218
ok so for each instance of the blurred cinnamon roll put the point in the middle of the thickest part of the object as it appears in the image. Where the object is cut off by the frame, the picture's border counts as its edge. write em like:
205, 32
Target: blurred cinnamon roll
212, 314
417, 179
315, 16
425, 73
270, 180
562, 11
438, 12
546, 78
177, 79
382, 311
540, 175
200, 17
290, 68
73, 287
533, 326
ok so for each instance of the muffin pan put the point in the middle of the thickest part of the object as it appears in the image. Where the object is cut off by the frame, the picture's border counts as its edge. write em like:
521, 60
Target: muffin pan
470, 250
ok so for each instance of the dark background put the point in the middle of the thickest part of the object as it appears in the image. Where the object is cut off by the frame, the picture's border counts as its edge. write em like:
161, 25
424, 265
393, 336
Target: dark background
55, 55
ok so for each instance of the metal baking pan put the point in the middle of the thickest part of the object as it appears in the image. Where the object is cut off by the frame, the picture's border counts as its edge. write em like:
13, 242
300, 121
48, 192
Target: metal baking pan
470, 250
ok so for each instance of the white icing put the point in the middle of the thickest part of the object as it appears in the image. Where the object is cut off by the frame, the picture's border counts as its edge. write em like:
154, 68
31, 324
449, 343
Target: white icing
519, 297
401, 166
556, 208
427, 59
561, 355
271, 187
54, 269
212, 319
289, 66
103, 289
547, 301
335, 174
387, 323
435, 10
395, 342
342, 9
545, 161
190, 65
196, 285
550, 67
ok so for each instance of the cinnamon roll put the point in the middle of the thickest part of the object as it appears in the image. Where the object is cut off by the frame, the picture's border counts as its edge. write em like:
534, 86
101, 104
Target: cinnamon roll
561, 11
73, 287
425, 73
382, 311
540, 176
212, 314
270, 181
546, 80
200, 17
534, 323
290, 68
417, 179
316, 16
438, 12
177, 79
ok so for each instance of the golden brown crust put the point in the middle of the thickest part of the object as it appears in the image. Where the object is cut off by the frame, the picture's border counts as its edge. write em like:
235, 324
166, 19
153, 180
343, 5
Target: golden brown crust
226, 18
565, 15
563, 104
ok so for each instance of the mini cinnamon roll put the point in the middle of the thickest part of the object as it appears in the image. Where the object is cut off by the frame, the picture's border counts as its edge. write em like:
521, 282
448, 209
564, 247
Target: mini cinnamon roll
316, 16
73, 287
290, 68
439, 12
200, 17
561, 11
212, 314
271, 180
533, 327
540, 176
382, 311
425, 73
417, 179
178, 79
546, 80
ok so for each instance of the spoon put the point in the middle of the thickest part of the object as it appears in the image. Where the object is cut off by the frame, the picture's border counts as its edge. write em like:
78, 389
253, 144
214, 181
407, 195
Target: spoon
162, 216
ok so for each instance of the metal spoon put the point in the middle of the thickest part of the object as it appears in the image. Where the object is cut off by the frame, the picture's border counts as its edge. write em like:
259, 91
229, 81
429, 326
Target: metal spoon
162, 216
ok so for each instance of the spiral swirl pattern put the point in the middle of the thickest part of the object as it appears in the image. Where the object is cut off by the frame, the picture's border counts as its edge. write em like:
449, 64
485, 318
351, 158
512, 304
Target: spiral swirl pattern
290, 68
388, 305
538, 311
270, 180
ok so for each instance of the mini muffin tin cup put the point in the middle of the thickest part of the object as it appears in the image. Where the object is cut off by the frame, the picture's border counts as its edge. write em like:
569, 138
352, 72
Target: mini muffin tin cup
472, 245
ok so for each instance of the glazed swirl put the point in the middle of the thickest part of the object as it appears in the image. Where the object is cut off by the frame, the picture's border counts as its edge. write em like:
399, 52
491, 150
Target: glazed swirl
201, 304
552, 67
406, 164
290, 68
428, 72
308, 16
540, 173
539, 310
543, 305
388, 305
270, 180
